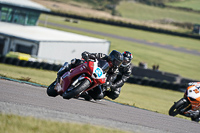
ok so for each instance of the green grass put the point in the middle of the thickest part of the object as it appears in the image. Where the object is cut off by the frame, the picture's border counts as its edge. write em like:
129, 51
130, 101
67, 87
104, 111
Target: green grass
150, 98
43, 77
19, 124
193, 4
138, 11
175, 41
169, 61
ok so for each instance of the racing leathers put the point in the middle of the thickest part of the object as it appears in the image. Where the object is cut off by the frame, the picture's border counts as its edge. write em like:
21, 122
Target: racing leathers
116, 82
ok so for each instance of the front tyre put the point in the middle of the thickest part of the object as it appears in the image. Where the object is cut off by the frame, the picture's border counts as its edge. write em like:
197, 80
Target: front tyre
178, 106
84, 84
50, 90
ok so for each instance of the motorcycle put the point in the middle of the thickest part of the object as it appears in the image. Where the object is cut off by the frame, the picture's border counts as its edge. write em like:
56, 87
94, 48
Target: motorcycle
80, 79
189, 103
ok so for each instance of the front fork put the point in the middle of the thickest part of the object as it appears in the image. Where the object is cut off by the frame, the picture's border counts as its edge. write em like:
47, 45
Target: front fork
185, 110
77, 81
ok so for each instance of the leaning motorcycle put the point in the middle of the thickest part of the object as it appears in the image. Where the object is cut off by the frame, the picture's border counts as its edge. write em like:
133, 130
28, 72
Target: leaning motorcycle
80, 79
189, 103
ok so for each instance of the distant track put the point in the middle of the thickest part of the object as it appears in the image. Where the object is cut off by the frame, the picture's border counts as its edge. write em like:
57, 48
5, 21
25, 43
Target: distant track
166, 46
28, 100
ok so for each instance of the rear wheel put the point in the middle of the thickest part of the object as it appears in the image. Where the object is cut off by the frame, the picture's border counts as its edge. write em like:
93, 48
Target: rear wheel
83, 85
50, 90
195, 119
178, 106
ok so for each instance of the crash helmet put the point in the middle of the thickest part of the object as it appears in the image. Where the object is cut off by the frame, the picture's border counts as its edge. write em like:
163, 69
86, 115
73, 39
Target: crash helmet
127, 57
116, 58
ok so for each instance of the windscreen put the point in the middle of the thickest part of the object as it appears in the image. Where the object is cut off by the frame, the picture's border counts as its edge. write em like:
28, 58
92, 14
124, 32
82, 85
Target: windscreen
103, 65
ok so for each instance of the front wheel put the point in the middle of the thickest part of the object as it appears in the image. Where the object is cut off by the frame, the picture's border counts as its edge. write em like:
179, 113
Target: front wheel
50, 90
84, 84
178, 106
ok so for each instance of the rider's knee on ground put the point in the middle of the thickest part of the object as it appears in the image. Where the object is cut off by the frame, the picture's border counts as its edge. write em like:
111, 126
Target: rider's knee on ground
96, 93
113, 94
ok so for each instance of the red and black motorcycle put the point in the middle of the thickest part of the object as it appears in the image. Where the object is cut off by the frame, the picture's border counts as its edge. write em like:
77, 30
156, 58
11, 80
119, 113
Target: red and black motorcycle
80, 79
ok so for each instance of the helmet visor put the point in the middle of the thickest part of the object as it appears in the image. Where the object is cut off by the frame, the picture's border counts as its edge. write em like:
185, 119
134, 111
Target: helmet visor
126, 61
117, 63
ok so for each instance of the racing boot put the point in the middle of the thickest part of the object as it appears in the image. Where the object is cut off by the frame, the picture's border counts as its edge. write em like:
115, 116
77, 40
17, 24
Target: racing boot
86, 96
96, 93
195, 115
66, 67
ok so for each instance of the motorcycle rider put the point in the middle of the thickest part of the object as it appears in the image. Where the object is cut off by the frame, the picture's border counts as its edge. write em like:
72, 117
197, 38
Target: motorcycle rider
124, 74
194, 114
114, 59
114, 81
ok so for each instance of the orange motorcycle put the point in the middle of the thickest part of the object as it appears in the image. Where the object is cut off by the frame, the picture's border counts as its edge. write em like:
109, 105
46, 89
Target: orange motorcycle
189, 105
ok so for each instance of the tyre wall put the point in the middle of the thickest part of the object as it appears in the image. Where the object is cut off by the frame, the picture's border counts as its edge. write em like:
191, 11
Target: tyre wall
23, 63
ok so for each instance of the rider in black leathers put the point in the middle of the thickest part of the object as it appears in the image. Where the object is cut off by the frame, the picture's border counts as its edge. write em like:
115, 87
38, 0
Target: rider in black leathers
115, 80
123, 75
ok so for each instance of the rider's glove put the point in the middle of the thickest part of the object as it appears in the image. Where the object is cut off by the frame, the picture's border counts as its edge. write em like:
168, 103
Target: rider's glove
113, 87
85, 56
194, 114
107, 84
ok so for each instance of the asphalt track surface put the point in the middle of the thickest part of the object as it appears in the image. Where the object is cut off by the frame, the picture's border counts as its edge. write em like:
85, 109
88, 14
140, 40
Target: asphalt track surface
28, 100
164, 46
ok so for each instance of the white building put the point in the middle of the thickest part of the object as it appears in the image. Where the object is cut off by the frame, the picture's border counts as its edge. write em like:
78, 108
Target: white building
18, 33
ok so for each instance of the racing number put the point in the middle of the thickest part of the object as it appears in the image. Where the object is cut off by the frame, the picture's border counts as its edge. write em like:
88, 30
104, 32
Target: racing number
196, 91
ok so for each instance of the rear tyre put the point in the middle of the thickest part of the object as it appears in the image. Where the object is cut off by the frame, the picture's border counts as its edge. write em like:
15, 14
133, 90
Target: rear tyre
81, 87
178, 106
195, 119
50, 90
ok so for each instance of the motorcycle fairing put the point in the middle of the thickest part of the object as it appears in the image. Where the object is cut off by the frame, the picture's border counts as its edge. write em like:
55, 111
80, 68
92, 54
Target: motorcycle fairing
193, 95
88, 68
98, 74
193, 92
68, 77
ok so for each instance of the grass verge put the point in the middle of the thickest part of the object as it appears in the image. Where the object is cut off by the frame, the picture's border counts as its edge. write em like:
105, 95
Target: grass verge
193, 4
19, 124
138, 11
